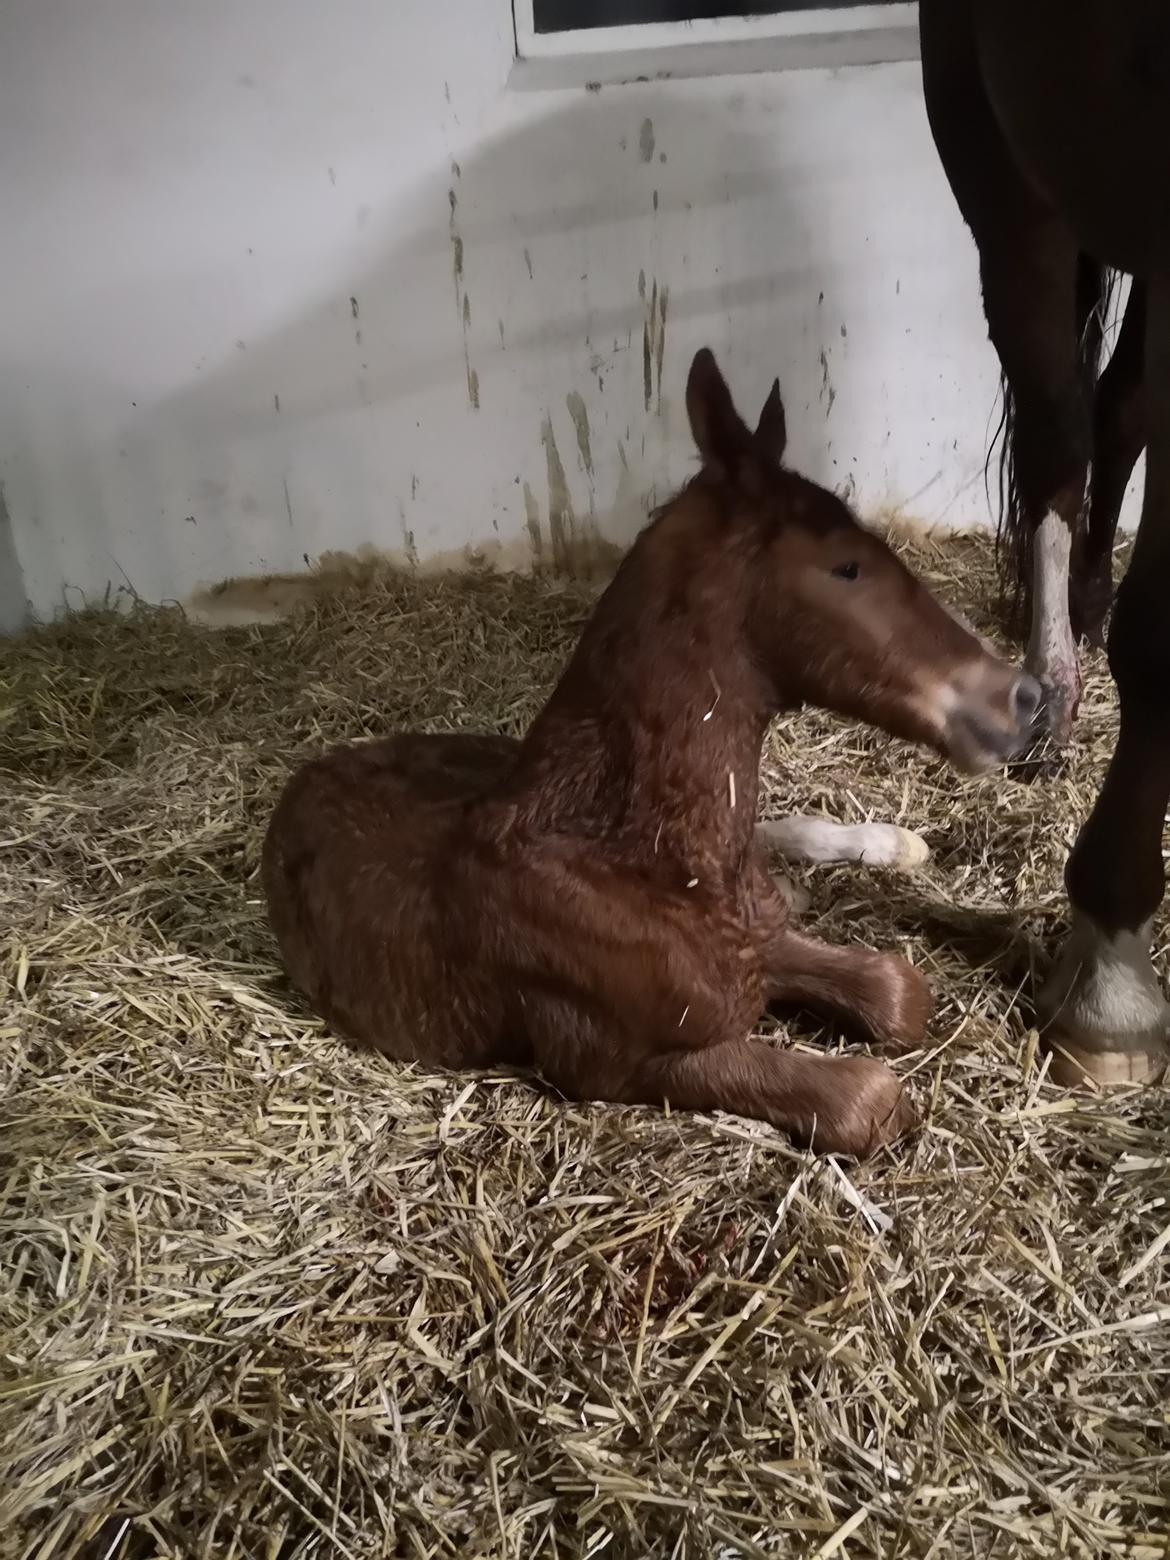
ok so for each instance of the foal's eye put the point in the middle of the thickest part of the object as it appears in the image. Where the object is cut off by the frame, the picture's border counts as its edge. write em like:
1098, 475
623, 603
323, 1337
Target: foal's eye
845, 571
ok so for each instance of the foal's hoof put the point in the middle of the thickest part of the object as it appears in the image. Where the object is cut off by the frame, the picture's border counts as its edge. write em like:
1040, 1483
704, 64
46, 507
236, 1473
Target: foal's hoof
869, 1109
901, 1003
889, 845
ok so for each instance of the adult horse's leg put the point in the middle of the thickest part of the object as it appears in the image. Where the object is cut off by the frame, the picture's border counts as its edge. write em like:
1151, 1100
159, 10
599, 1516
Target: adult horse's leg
1031, 267
1103, 1010
1029, 297
1119, 436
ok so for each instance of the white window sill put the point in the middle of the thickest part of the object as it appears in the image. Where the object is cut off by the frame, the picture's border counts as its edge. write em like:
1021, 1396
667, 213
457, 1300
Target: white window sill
726, 46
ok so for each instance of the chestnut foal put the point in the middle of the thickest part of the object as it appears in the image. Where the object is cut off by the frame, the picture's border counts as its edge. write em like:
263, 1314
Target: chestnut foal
593, 902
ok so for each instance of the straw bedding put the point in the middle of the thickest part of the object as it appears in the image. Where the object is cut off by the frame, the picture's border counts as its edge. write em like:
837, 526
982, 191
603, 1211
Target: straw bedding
263, 1295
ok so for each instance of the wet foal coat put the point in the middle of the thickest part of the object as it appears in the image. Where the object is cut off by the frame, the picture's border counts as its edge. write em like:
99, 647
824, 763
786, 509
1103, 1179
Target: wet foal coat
592, 902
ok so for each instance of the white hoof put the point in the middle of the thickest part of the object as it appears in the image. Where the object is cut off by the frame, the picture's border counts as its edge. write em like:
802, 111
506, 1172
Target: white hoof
887, 845
1102, 1013
822, 841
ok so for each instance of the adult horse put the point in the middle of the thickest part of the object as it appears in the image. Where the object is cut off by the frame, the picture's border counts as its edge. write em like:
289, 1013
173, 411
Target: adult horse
1045, 295
1053, 121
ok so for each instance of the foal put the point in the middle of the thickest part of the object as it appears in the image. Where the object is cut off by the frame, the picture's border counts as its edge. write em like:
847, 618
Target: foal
592, 902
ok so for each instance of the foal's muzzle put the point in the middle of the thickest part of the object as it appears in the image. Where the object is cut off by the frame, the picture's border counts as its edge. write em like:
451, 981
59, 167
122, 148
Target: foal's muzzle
997, 711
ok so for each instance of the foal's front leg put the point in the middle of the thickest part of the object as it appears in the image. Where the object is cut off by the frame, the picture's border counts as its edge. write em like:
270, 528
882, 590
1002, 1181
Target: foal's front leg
851, 1104
879, 994
679, 1032
833, 1104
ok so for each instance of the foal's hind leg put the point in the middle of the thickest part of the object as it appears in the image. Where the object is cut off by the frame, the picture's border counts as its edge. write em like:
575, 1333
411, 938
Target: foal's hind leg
823, 841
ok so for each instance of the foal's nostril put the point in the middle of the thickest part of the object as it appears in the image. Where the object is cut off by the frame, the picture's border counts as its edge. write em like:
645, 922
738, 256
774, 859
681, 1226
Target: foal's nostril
1027, 697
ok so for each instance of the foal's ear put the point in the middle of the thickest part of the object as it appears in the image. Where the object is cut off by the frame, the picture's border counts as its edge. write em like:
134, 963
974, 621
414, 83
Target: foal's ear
719, 431
772, 430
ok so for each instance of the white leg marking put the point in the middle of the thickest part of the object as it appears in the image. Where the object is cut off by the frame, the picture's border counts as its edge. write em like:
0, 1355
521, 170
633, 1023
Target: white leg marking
1103, 1002
823, 841
1052, 651
1051, 637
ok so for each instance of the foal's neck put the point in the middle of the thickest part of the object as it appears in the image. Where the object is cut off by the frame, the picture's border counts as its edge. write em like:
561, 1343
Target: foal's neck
652, 738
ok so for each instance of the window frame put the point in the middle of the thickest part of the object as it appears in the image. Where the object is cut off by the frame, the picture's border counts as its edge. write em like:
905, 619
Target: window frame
815, 37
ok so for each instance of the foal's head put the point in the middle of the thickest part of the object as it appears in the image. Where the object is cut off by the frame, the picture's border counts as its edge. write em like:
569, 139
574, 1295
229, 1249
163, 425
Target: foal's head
832, 616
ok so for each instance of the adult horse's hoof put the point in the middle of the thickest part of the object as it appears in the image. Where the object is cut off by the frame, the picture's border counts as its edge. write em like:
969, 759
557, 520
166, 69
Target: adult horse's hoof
1103, 1017
1111, 1062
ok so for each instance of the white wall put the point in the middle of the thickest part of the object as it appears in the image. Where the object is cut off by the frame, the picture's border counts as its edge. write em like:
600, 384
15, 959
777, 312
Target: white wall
236, 329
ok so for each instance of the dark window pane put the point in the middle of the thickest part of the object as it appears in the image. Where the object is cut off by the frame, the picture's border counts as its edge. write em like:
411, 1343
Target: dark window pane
570, 15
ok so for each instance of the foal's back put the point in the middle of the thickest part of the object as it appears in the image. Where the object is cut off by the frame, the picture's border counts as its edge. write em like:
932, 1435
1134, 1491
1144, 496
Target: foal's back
363, 867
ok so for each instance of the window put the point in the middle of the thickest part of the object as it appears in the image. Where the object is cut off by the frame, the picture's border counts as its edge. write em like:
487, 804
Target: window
598, 42
575, 15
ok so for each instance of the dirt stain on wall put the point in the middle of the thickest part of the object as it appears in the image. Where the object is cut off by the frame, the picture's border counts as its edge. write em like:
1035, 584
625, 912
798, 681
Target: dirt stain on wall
561, 520
575, 548
653, 340
577, 411
828, 393
532, 520
462, 300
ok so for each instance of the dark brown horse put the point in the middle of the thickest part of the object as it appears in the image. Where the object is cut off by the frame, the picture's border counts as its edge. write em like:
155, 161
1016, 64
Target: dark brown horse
593, 902
1072, 435
1054, 120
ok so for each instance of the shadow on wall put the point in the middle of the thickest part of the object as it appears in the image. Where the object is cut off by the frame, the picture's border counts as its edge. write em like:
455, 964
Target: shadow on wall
524, 336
